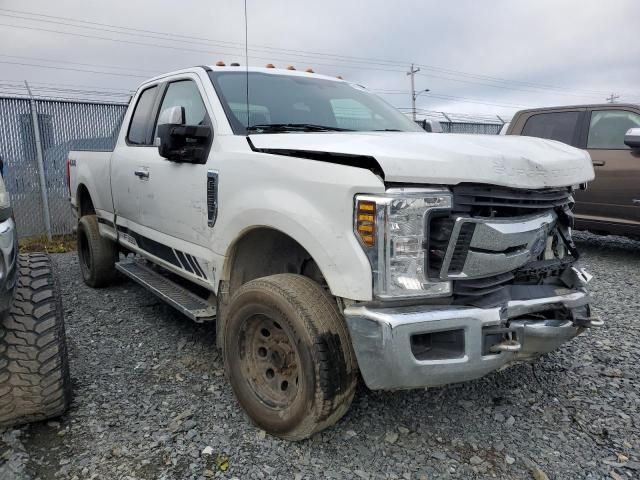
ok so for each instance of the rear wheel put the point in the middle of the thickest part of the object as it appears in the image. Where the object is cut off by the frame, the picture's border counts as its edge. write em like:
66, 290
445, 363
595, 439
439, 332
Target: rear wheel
97, 255
34, 369
288, 355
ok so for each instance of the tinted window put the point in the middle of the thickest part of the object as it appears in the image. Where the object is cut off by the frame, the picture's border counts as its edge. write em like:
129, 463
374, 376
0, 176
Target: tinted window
140, 121
293, 99
185, 94
608, 127
559, 126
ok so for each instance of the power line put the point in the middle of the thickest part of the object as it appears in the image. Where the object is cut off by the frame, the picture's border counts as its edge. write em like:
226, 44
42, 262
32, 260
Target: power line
154, 72
73, 69
507, 87
304, 53
462, 99
131, 42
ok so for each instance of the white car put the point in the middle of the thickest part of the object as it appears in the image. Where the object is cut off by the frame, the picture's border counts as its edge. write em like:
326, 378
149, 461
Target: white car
327, 234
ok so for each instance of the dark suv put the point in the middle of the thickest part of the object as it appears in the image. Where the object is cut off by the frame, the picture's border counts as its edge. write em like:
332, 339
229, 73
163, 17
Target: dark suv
611, 135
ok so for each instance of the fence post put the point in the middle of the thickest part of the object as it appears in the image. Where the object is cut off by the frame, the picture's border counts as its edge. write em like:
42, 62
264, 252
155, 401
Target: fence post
40, 158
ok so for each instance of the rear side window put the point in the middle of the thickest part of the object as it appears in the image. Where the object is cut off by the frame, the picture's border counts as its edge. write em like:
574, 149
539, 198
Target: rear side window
141, 118
608, 127
560, 126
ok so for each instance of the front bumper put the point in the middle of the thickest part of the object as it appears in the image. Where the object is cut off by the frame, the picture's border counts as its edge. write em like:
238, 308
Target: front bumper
430, 345
8, 257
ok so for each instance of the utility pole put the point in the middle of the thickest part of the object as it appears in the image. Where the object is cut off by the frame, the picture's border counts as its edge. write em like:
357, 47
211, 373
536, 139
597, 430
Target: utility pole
612, 98
40, 162
412, 73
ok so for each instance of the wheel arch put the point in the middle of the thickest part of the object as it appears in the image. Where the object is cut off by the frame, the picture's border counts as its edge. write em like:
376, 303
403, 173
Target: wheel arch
263, 250
84, 201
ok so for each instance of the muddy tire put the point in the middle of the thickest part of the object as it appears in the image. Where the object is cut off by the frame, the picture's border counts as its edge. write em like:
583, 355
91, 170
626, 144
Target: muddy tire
97, 255
34, 368
288, 355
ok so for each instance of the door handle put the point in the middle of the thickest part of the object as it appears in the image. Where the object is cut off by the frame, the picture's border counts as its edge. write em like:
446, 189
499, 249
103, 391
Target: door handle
636, 201
141, 173
598, 163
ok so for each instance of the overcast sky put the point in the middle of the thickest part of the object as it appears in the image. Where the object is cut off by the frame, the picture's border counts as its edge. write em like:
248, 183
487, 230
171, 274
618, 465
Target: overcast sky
483, 58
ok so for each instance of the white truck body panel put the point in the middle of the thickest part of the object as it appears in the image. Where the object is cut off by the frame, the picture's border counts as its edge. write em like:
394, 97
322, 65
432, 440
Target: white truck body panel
450, 159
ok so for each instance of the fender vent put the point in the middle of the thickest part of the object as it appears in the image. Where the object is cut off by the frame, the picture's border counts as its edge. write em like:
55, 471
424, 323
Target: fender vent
212, 197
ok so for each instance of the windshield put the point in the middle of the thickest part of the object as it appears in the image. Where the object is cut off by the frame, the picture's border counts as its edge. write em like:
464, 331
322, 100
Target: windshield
285, 103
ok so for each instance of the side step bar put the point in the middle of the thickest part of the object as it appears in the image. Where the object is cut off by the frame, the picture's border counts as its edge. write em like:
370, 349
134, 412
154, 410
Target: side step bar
194, 307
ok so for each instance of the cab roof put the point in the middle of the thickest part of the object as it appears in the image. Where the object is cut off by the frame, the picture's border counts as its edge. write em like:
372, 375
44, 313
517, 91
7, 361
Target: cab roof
267, 70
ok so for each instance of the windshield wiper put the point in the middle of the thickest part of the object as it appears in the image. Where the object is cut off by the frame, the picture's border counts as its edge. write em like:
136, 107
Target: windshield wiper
295, 127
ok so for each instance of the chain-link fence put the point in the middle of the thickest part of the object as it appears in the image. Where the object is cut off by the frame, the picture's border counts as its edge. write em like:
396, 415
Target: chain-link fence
466, 127
63, 126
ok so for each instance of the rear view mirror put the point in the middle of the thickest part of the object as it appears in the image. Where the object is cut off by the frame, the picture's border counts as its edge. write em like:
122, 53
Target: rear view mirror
179, 142
632, 138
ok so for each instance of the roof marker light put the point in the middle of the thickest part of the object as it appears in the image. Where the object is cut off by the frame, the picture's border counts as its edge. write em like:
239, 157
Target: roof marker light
309, 70
270, 65
291, 67
220, 63
234, 64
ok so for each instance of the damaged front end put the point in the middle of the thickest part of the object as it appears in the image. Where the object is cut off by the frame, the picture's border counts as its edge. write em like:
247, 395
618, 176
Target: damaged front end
516, 292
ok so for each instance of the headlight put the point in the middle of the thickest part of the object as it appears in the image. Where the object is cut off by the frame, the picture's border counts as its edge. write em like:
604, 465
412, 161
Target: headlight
391, 229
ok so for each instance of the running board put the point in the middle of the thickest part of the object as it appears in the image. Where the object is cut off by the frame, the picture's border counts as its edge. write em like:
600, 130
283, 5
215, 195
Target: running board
194, 307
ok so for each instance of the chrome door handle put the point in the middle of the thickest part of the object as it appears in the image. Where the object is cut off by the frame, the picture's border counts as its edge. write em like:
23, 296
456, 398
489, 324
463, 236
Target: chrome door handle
141, 173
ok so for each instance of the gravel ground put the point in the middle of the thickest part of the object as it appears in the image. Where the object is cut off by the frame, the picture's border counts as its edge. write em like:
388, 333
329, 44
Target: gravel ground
150, 395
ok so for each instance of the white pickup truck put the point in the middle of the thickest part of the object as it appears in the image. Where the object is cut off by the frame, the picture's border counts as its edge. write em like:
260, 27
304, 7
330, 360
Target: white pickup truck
326, 234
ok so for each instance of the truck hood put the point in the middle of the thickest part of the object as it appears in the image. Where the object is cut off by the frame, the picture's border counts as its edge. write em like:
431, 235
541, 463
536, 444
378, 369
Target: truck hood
448, 159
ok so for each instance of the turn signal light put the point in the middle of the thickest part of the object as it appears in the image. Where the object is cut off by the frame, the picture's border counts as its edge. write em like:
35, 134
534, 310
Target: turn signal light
366, 222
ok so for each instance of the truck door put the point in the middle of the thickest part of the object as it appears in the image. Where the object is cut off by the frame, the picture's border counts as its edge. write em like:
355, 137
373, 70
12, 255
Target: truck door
173, 199
128, 160
614, 195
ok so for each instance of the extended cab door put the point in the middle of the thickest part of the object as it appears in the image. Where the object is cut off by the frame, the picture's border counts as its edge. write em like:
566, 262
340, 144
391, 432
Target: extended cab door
173, 199
614, 195
127, 162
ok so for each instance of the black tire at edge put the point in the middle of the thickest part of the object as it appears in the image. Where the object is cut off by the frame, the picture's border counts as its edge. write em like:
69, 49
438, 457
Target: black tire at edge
34, 367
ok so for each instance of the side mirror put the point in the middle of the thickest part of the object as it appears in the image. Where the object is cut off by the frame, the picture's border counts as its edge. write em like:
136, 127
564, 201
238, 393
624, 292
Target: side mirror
179, 142
432, 126
172, 115
632, 138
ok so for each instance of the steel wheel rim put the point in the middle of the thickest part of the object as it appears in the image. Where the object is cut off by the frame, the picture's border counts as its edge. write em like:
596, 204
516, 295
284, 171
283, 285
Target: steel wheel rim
269, 361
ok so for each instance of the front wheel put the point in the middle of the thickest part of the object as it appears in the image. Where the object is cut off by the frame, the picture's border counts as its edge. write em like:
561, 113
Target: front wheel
288, 355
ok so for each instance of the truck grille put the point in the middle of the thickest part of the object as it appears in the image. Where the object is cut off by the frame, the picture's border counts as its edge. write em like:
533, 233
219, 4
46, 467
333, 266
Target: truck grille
478, 234
493, 201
